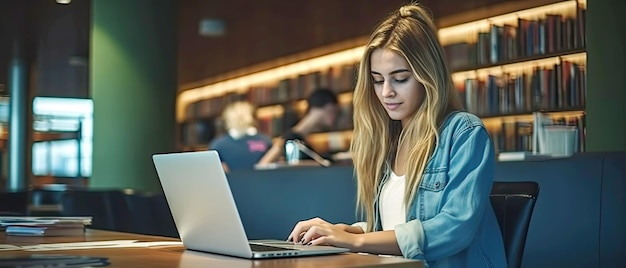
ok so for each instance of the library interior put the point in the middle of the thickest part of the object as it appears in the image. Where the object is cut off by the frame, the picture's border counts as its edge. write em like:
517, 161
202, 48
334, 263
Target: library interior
91, 90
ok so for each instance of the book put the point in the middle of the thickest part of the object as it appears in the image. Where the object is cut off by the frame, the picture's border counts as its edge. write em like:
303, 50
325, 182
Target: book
522, 156
21, 220
48, 230
44, 226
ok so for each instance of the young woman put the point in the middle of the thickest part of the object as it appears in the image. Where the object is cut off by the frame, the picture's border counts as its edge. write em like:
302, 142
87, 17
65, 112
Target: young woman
426, 196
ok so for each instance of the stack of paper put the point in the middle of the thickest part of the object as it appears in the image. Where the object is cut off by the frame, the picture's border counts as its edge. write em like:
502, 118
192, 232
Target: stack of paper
44, 226
521, 156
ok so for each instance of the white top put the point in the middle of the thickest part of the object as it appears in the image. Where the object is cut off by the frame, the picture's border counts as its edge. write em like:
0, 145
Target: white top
392, 209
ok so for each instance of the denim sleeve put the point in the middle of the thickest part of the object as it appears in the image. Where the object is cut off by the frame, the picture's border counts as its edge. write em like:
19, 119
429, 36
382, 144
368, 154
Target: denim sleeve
466, 196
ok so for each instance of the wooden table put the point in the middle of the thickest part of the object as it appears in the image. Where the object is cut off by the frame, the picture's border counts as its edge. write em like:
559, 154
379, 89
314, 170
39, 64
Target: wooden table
177, 256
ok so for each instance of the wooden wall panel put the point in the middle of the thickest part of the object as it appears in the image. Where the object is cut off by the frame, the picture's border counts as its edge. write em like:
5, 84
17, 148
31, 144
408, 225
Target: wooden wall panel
259, 31
51, 35
256, 32
62, 49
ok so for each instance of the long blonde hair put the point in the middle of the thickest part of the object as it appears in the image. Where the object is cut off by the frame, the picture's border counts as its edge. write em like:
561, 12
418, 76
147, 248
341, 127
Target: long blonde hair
410, 32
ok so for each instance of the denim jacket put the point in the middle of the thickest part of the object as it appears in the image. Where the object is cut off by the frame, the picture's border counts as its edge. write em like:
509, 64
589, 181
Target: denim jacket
451, 222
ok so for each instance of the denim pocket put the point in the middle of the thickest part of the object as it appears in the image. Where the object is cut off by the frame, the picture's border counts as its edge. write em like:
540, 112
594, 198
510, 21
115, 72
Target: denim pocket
431, 192
434, 179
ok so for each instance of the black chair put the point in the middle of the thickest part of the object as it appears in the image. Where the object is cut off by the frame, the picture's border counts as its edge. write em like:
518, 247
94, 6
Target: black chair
14, 203
513, 203
150, 214
40, 197
108, 208
163, 217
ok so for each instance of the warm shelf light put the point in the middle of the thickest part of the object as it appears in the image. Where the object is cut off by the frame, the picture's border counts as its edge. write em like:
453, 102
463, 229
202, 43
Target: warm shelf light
345, 98
269, 111
496, 122
333, 140
300, 106
516, 68
467, 32
243, 83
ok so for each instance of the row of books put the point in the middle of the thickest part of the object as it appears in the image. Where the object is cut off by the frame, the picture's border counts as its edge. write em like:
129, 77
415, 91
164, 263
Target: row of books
542, 88
543, 135
213, 106
551, 34
338, 79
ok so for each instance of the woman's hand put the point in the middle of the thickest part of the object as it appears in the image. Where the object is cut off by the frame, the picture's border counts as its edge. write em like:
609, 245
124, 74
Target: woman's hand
319, 232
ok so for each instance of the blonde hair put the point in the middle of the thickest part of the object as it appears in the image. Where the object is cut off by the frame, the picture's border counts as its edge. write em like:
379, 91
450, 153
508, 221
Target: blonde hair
239, 116
410, 32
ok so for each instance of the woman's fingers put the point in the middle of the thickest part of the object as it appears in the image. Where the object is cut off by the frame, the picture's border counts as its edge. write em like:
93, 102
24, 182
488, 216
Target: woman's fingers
315, 232
319, 241
295, 233
302, 227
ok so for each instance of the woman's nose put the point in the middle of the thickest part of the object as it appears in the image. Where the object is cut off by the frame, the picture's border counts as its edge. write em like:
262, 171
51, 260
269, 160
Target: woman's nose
388, 90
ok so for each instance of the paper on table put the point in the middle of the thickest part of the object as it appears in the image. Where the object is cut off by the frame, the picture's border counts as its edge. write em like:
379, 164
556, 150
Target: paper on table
75, 245
91, 245
126, 245
5, 247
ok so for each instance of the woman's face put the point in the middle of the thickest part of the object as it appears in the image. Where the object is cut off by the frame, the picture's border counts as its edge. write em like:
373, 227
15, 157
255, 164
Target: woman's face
396, 88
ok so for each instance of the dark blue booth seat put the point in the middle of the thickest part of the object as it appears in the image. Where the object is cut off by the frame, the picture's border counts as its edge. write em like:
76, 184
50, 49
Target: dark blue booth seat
579, 218
271, 202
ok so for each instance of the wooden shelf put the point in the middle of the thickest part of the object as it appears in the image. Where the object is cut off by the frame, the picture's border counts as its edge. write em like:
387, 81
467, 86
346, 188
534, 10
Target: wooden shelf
518, 114
530, 59
517, 117
458, 28
55, 136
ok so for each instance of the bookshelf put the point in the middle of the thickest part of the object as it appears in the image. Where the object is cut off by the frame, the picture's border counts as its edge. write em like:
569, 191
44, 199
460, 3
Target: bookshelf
509, 65
537, 64
277, 112
279, 93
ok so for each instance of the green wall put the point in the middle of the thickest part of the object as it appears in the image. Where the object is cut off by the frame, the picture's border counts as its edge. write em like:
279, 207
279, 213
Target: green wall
606, 75
133, 86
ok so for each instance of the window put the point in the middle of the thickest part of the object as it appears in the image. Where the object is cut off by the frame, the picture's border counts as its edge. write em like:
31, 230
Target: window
63, 137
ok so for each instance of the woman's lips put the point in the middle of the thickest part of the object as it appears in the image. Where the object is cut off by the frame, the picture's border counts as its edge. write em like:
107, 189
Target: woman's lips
392, 105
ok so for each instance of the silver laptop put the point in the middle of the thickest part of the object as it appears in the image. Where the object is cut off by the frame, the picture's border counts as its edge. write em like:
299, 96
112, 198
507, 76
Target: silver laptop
199, 197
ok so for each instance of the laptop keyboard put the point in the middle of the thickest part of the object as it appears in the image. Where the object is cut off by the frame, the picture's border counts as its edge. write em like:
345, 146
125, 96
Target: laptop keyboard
257, 247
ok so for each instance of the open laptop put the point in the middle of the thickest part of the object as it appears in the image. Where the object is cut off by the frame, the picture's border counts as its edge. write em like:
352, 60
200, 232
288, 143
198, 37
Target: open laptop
204, 210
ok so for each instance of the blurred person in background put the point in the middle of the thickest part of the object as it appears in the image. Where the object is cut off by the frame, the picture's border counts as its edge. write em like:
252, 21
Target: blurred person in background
242, 145
321, 115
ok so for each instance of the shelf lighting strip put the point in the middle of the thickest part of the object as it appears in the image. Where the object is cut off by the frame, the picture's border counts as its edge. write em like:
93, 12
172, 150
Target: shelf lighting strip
516, 68
243, 83
496, 122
